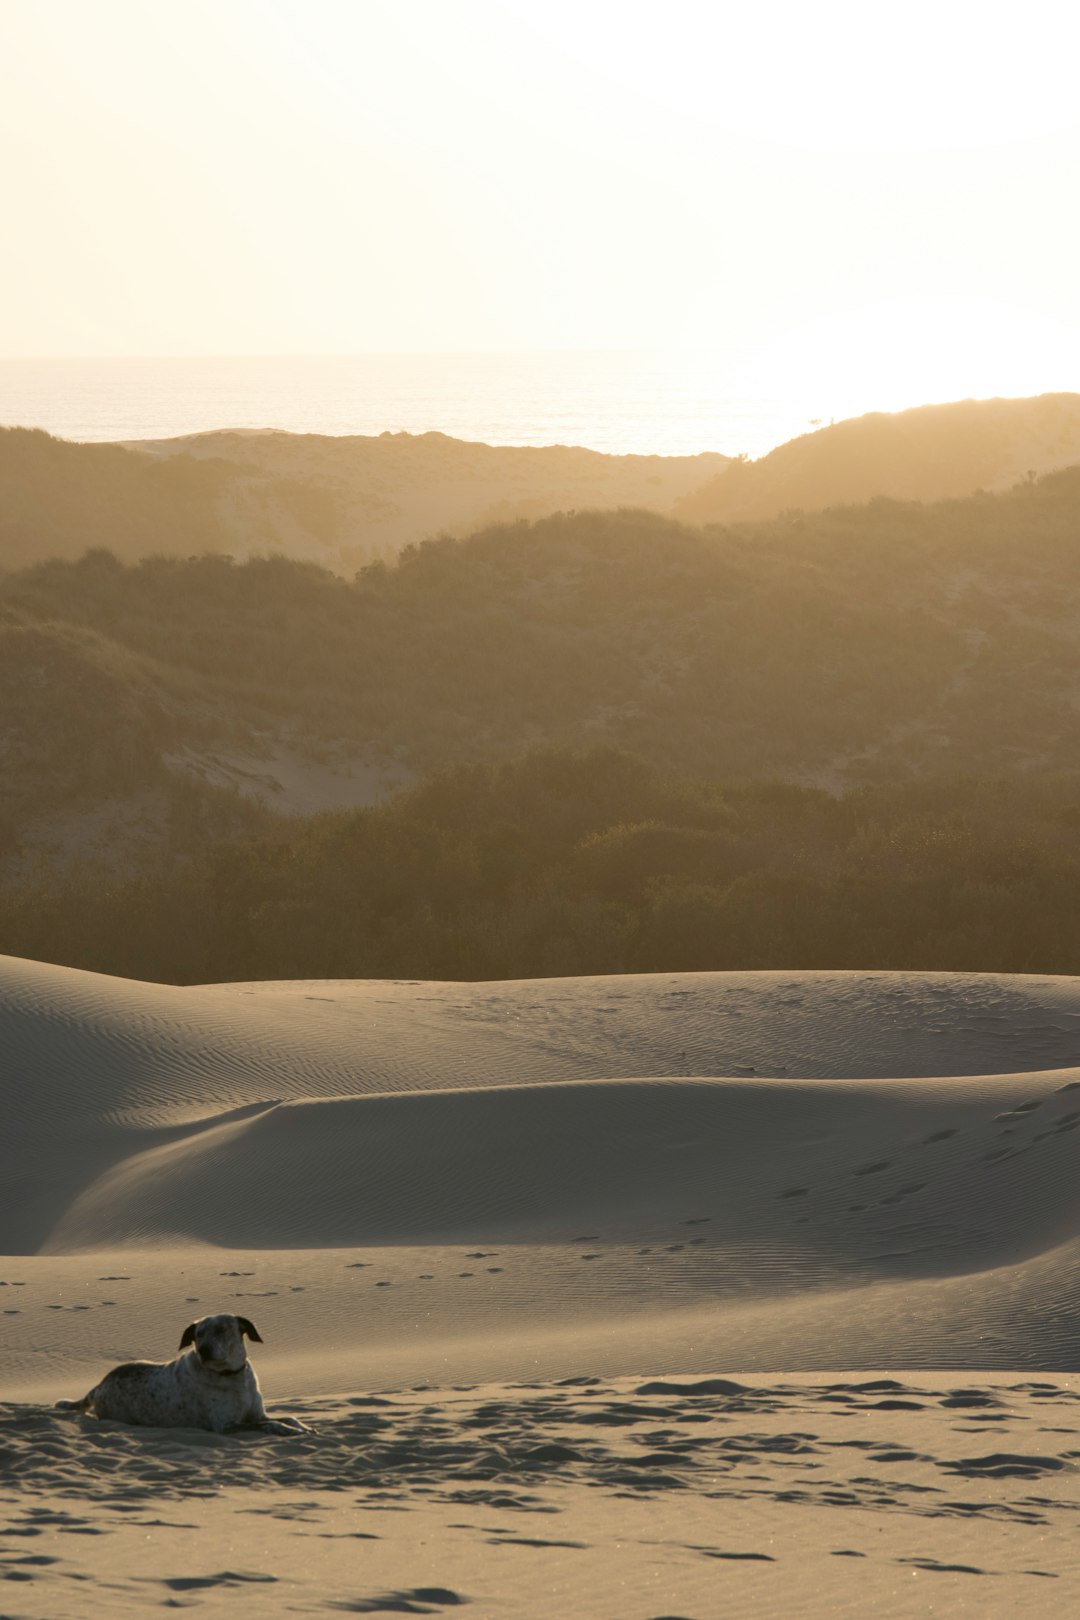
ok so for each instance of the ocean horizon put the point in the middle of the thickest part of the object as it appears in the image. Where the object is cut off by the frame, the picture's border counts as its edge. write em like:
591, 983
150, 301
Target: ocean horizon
621, 403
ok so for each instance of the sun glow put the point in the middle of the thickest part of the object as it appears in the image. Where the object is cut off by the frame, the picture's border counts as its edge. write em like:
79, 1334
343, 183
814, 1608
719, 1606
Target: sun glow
835, 199
920, 350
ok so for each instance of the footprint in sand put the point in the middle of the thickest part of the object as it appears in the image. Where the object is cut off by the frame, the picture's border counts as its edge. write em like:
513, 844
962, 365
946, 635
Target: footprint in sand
427, 1276
698, 1220
417, 1600
935, 1136
114, 1279
383, 1285
1017, 1113
236, 1274
358, 1265
466, 1274
492, 1270
794, 1192
943, 1569
1057, 1130
901, 1193
872, 1169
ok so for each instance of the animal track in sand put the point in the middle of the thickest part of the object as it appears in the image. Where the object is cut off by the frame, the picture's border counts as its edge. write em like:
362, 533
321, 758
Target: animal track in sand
935, 1136
872, 1169
698, 1220
794, 1192
236, 1274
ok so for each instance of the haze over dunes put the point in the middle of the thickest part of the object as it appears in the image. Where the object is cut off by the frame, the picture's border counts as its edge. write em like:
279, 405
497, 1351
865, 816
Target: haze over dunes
344, 501
340, 502
930, 453
855, 645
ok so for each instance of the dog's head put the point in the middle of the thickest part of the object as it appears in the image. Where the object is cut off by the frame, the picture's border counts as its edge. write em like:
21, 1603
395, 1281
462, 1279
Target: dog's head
219, 1341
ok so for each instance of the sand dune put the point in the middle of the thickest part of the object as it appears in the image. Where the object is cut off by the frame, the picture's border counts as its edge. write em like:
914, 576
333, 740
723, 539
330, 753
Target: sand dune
634, 1198
724, 1155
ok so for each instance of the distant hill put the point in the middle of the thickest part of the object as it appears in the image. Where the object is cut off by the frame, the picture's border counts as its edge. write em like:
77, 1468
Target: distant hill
861, 644
340, 502
926, 454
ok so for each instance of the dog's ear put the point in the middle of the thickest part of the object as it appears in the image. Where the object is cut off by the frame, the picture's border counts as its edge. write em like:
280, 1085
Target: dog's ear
189, 1336
249, 1328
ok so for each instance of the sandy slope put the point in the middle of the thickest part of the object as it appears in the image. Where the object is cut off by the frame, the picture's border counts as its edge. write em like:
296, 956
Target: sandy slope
646, 1181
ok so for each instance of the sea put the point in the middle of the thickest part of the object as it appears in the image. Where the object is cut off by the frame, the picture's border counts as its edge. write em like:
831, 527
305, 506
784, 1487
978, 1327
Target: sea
621, 402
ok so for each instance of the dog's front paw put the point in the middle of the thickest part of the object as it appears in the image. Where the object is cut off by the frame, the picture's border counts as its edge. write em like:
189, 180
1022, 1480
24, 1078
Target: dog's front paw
288, 1425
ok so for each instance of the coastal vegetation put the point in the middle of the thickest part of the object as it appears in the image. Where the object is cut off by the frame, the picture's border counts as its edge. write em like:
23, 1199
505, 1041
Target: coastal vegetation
560, 863
889, 641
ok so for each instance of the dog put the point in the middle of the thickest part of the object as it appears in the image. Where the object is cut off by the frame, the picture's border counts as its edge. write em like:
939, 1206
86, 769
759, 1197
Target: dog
212, 1387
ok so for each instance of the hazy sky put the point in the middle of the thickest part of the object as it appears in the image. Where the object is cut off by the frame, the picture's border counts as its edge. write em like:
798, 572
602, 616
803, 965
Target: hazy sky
888, 194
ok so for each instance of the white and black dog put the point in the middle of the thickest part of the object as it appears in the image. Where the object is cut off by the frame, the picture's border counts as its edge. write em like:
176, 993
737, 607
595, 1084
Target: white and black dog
212, 1387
